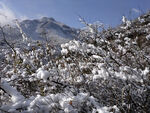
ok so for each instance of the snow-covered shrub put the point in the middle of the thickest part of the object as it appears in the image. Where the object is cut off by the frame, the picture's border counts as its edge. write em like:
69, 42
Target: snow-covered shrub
105, 71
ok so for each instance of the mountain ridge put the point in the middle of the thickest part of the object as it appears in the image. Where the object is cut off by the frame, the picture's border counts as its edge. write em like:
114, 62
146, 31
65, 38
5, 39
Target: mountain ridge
44, 29
49, 27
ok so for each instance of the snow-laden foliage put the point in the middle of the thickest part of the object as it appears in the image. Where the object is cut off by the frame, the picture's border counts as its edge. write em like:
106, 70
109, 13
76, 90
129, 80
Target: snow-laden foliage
105, 71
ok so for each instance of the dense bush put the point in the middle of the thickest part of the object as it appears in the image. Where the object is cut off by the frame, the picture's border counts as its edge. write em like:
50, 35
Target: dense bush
105, 71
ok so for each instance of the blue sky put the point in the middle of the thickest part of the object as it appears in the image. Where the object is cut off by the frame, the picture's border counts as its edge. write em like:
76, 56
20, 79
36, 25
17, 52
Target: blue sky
108, 12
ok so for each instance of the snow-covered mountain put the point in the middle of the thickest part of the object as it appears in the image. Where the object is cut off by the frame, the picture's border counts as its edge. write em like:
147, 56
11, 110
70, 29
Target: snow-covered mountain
45, 29
39, 29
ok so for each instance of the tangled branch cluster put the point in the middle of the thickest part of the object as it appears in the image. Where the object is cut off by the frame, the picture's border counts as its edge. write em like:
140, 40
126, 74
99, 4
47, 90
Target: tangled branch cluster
105, 71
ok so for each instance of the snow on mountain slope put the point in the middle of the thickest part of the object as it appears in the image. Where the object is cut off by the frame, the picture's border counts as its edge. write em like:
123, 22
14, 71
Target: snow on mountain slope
44, 29
47, 27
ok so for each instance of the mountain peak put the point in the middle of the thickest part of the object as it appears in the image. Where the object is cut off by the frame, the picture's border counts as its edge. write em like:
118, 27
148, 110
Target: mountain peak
47, 19
56, 31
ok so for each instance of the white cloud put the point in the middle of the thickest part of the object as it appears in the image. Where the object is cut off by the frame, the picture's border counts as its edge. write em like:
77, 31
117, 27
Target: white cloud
6, 15
21, 18
136, 10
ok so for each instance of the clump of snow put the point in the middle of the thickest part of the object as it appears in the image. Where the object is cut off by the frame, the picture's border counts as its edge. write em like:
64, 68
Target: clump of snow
99, 73
68, 103
15, 95
126, 22
72, 46
141, 20
124, 19
96, 57
43, 74
64, 51
80, 79
148, 37
145, 71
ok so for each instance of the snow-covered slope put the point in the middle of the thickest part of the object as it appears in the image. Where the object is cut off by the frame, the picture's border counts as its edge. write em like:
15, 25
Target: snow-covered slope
40, 29
45, 29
